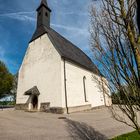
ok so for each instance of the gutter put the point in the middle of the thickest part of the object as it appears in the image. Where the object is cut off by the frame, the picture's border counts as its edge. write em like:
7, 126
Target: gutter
65, 84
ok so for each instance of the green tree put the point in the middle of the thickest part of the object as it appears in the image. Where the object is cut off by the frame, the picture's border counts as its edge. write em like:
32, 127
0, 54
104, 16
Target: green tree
6, 80
14, 89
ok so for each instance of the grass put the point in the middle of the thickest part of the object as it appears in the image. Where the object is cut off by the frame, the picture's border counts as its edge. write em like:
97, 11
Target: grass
130, 136
7, 102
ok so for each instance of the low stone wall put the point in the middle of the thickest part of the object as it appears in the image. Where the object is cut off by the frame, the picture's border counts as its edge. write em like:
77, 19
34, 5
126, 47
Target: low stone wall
79, 108
21, 106
98, 107
45, 107
59, 110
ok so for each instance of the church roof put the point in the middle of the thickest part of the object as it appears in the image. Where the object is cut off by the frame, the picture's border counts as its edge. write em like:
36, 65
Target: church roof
66, 49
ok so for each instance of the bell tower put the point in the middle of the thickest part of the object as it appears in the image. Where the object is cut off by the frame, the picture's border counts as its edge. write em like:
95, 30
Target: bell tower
43, 14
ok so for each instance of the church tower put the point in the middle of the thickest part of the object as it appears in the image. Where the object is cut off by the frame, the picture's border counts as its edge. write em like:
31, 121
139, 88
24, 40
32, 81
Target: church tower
43, 20
43, 14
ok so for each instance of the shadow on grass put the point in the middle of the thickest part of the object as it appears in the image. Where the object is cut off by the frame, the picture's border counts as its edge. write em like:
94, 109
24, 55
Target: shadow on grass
82, 131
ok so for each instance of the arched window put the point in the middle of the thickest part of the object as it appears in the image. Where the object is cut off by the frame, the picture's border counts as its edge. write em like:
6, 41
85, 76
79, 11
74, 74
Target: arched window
84, 85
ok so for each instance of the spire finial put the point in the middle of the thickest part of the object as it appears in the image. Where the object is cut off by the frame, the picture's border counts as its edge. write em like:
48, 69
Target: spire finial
44, 2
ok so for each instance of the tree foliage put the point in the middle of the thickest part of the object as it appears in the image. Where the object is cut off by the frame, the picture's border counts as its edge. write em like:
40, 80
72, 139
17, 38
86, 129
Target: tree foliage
115, 42
14, 88
6, 80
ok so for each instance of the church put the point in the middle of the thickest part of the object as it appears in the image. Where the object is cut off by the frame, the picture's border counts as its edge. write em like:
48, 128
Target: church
55, 75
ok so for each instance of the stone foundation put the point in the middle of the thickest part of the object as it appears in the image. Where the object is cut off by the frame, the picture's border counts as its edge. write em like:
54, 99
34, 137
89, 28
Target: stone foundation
79, 108
21, 106
59, 110
98, 107
45, 107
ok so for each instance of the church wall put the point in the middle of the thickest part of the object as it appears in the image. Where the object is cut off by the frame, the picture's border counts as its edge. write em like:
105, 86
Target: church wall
75, 88
41, 67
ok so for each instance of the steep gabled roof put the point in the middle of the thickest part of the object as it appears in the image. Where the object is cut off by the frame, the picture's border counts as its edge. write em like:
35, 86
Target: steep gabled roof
66, 49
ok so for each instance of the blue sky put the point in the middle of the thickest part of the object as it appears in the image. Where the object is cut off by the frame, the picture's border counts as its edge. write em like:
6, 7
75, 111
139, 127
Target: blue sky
18, 21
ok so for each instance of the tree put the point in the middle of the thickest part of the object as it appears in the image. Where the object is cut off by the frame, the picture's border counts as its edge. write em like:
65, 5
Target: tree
14, 88
138, 13
115, 42
6, 80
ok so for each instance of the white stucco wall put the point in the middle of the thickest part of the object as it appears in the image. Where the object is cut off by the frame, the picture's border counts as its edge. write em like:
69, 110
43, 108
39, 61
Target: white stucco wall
75, 89
41, 67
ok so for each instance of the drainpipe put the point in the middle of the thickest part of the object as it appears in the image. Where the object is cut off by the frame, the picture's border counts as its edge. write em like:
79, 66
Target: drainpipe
103, 91
65, 84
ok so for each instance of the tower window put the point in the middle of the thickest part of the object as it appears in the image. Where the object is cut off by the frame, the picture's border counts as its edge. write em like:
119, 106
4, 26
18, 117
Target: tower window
84, 85
46, 14
39, 13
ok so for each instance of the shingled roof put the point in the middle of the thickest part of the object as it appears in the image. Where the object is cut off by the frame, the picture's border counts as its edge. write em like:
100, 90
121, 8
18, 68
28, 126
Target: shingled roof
66, 49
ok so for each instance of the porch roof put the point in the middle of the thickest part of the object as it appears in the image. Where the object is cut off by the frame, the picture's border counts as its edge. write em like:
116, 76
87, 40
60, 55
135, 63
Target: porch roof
32, 91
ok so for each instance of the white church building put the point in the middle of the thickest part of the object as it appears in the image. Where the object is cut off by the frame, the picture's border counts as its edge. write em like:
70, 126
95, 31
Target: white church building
55, 75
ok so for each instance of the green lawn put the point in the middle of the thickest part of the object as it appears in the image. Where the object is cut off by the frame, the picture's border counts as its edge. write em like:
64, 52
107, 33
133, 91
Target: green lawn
130, 136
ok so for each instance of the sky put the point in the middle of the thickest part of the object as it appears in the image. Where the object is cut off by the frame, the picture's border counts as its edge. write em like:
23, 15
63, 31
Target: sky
70, 18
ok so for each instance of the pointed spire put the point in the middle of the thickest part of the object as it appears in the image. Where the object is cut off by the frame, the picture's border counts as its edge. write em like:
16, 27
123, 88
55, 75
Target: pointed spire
43, 17
44, 2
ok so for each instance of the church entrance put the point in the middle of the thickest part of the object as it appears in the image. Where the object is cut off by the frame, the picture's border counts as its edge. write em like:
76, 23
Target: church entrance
32, 101
35, 102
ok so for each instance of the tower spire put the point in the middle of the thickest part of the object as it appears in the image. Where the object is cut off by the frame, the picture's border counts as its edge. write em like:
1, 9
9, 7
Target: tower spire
43, 14
44, 2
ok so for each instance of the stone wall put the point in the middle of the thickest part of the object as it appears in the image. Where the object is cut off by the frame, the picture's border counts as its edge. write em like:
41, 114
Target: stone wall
21, 106
44, 107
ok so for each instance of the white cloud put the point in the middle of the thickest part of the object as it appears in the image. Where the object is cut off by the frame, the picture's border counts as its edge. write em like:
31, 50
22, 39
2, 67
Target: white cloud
72, 29
22, 16
74, 13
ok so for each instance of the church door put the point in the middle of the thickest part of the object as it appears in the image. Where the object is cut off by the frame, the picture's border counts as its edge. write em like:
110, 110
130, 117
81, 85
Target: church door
35, 102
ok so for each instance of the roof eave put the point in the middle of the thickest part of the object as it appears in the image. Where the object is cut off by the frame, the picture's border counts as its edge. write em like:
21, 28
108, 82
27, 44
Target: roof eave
87, 68
34, 38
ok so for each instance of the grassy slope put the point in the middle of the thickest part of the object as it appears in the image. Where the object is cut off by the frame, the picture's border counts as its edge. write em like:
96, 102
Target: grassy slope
130, 136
